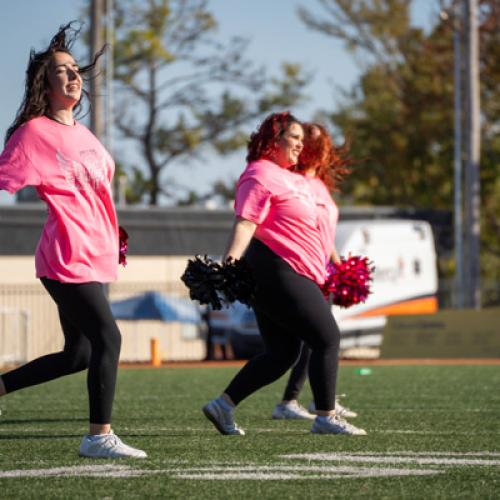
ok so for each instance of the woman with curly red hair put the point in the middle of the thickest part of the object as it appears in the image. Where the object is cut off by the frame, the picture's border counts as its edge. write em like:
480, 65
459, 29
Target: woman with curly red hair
324, 165
279, 229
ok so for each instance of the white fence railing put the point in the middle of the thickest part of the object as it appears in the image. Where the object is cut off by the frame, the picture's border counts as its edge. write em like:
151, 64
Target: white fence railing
29, 326
13, 336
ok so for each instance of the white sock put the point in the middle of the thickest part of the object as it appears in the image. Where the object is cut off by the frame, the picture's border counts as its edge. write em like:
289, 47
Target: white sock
96, 437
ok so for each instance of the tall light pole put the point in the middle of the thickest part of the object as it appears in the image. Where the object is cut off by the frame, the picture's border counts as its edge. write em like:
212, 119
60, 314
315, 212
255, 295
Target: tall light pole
96, 42
120, 181
472, 153
109, 75
457, 160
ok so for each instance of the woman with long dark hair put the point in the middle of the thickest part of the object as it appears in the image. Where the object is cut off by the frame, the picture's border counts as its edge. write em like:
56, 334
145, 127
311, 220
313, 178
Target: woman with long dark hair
324, 165
278, 229
78, 248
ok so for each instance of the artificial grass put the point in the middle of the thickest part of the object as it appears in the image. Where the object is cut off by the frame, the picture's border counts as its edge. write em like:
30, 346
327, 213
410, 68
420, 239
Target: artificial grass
414, 412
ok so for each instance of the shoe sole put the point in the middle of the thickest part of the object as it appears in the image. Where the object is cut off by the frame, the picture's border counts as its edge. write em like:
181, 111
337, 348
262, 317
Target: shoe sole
318, 431
108, 457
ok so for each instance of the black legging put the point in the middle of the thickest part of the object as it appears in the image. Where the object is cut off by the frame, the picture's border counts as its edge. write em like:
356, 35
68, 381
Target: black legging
290, 308
91, 340
298, 375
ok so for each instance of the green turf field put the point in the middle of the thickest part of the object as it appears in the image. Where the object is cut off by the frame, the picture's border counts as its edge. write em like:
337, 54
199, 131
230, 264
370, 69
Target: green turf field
433, 432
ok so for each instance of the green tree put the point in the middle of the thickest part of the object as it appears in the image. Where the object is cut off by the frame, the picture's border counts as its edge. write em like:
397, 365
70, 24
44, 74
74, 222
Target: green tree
399, 114
180, 90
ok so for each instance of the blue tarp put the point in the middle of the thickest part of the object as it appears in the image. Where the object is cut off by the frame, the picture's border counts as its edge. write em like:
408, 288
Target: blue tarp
154, 305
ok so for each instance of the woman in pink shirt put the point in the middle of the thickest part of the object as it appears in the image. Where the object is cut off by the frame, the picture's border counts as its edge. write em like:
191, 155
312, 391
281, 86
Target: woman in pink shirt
78, 248
324, 166
279, 229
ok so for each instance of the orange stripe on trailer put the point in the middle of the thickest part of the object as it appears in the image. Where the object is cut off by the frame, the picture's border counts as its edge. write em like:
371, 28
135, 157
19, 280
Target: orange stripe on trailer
426, 305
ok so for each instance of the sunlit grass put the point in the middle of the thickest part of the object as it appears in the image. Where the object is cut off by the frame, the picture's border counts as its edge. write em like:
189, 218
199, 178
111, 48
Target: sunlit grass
412, 409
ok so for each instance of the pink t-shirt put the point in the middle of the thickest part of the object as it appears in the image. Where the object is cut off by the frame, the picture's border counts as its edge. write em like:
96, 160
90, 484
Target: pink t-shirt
72, 173
328, 214
292, 215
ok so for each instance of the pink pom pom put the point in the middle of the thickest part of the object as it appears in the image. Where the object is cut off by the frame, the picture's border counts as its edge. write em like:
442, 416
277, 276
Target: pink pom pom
349, 281
123, 246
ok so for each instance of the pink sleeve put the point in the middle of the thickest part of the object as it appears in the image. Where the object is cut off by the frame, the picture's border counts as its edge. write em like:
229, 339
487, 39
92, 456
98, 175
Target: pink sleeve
16, 169
252, 201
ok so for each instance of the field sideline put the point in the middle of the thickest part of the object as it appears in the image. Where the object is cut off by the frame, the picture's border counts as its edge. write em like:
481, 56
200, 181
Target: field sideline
433, 432
343, 362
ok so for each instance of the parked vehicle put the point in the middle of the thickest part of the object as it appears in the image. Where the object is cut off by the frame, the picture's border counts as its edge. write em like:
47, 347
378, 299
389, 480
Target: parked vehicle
405, 279
233, 332
404, 282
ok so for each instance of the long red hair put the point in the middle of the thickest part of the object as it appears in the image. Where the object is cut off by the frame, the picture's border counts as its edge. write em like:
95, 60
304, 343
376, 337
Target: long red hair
321, 155
264, 141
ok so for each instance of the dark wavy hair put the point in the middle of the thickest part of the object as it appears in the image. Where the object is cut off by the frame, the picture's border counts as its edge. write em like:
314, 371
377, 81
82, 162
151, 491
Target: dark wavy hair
35, 101
264, 141
320, 154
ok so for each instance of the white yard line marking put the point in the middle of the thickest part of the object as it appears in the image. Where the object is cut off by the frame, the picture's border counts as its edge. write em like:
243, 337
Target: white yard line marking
340, 472
285, 468
78, 470
440, 461
427, 410
104, 470
390, 459
430, 432
432, 453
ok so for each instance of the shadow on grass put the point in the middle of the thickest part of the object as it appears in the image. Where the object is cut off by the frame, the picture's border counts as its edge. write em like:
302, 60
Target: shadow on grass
38, 436
41, 420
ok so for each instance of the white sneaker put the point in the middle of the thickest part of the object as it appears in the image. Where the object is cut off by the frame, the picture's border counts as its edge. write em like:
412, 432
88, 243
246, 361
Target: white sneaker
108, 446
335, 425
222, 419
291, 411
340, 410
343, 411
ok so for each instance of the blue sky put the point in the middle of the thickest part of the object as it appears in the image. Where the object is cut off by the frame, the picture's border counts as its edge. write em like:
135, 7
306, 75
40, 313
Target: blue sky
273, 27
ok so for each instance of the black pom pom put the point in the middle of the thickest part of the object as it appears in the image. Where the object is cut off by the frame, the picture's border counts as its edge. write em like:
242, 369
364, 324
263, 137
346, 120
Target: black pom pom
217, 284
238, 283
204, 277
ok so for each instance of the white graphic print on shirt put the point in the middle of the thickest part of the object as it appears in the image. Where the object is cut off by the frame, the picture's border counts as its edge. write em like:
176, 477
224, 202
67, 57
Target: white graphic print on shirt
88, 174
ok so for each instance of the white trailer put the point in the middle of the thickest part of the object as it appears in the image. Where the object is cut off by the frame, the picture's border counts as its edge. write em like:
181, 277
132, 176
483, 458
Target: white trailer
405, 280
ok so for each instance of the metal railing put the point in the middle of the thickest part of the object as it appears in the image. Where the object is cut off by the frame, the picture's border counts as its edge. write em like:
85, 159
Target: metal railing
29, 325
